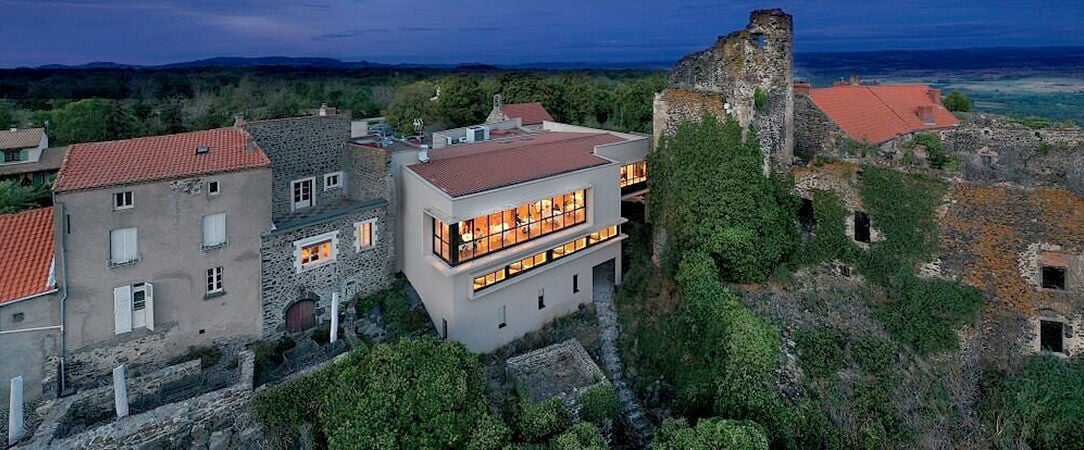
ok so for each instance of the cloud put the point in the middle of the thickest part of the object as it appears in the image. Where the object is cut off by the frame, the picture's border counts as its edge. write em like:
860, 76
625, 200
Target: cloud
349, 34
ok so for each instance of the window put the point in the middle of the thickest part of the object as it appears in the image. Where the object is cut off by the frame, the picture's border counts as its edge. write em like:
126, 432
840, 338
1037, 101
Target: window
122, 200
12, 155
490, 279
540, 259
18, 317
123, 246
214, 280
1054, 278
366, 234
1051, 336
575, 283
133, 307
602, 235
541, 298
316, 251
212, 187
807, 216
569, 248
214, 231
333, 181
861, 226
633, 176
302, 193
444, 328
503, 317
472, 238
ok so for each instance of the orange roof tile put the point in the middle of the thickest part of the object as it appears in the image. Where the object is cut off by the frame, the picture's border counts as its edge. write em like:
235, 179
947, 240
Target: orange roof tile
875, 114
468, 169
99, 164
26, 241
529, 113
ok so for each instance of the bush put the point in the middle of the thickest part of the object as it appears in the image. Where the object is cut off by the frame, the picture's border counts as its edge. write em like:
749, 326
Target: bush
820, 352
873, 355
1040, 406
598, 403
709, 434
15, 197
935, 152
760, 99
957, 101
925, 314
285, 407
830, 241
491, 434
538, 421
582, 436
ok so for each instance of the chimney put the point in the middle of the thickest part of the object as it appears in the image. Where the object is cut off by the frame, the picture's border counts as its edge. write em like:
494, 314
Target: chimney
14, 129
323, 109
238, 119
855, 81
934, 95
925, 114
802, 88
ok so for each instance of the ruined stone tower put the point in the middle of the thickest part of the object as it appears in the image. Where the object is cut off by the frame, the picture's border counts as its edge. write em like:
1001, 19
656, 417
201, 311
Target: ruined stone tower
724, 80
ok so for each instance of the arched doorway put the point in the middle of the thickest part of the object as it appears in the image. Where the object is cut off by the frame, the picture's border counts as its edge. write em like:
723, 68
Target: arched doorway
301, 316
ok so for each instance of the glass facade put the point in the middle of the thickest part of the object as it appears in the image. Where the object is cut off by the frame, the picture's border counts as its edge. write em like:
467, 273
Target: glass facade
543, 258
634, 177
472, 238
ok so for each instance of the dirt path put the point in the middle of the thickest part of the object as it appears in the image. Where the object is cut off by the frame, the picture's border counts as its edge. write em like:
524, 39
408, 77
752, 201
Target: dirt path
639, 429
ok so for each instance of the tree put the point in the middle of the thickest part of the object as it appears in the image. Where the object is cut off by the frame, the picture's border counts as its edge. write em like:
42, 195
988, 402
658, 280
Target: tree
709, 193
519, 87
15, 197
82, 121
411, 101
460, 102
419, 393
710, 433
957, 101
582, 436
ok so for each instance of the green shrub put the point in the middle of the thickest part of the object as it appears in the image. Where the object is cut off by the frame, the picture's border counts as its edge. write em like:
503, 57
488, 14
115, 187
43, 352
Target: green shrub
598, 403
830, 241
760, 99
935, 152
538, 421
710, 434
490, 434
820, 352
1040, 406
581, 436
873, 355
957, 101
285, 407
903, 208
925, 314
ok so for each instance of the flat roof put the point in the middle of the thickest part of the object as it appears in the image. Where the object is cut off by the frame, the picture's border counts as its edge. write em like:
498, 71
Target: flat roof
471, 168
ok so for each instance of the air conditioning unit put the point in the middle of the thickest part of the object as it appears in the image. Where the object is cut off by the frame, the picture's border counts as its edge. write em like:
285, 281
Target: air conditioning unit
477, 133
462, 140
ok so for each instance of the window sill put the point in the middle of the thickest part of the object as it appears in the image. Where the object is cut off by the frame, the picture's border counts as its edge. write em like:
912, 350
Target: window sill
211, 295
365, 248
208, 248
115, 264
315, 265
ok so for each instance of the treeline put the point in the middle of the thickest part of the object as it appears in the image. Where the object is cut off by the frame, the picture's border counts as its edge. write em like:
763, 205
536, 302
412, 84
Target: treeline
81, 105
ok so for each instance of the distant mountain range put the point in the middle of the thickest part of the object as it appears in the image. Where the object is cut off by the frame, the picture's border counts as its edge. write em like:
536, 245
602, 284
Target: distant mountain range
1033, 58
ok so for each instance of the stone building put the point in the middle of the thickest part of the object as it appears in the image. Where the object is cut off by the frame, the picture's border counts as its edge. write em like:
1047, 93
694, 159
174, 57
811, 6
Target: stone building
747, 75
29, 309
332, 231
158, 238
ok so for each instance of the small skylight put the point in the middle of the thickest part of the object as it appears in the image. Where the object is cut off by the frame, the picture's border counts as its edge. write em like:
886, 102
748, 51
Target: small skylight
202, 149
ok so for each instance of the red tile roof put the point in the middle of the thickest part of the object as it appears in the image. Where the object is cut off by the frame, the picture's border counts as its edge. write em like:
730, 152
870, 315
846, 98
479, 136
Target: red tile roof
875, 114
468, 169
26, 241
99, 164
529, 113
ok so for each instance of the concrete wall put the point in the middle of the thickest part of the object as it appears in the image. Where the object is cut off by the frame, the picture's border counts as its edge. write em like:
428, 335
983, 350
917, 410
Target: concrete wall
447, 291
23, 350
302, 147
168, 216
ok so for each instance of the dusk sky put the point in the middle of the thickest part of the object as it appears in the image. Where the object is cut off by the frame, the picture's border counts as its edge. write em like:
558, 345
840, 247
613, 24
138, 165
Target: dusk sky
37, 32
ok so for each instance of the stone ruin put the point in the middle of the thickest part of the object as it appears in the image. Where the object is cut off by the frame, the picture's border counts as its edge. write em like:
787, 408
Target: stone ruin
562, 371
726, 79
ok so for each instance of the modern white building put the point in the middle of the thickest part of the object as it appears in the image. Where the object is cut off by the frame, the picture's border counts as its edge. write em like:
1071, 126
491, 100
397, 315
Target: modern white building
502, 236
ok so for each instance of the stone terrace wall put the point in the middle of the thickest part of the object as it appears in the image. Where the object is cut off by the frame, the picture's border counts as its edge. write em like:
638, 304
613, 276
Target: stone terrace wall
302, 147
759, 57
353, 272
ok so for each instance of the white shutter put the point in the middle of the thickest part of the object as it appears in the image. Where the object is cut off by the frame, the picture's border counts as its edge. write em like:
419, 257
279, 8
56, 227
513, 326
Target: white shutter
372, 238
149, 308
214, 229
131, 244
122, 309
123, 245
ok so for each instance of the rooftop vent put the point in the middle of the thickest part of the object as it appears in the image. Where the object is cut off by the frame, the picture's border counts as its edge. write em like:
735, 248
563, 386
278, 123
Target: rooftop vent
423, 156
202, 149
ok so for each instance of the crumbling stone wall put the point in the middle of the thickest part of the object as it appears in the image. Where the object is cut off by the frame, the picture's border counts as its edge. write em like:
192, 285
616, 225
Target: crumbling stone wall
814, 132
759, 58
353, 272
991, 238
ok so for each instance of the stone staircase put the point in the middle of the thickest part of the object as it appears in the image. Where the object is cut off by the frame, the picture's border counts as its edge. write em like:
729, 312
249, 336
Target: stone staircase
638, 429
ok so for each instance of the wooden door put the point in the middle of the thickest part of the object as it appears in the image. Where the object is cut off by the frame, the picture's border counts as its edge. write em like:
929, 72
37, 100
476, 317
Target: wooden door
301, 316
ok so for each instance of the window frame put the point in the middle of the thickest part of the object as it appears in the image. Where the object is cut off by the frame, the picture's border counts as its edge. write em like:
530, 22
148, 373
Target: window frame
214, 282
373, 236
217, 190
113, 261
338, 180
17, 158
125, 197
1043, 268
313, 241
311, 181
204, 245
482, 282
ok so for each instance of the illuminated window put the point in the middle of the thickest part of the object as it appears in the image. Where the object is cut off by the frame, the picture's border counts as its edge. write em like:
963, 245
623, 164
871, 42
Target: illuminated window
472, 238
315, 251
633, 174
366, 234
569, 248
489, 279
602, 235
540, 259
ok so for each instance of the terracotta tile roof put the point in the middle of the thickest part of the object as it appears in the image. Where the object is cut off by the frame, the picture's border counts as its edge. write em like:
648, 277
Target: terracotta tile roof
875, 114
529, 113
50, 160
468, 169
25, 138
152, 158
26, 241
